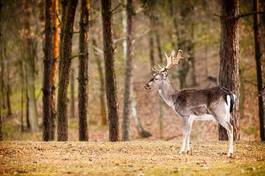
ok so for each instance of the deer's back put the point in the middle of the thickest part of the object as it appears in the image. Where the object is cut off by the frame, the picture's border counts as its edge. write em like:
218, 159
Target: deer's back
197, 101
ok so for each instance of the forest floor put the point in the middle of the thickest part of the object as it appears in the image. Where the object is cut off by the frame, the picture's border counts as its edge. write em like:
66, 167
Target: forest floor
129, 158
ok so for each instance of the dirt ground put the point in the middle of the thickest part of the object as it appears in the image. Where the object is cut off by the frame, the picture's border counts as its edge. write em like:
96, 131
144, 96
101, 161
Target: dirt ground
129, 158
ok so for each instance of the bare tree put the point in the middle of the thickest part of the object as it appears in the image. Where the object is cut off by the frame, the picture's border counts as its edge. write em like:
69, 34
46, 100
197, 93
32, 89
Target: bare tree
83, 70
1, 92
102, 84
110, 72
127, 47
257, 43
54, 66
23, 97
68, 11
229, 58
30, 47
72, 93
8, 87
48, 56
160, 56
151, 44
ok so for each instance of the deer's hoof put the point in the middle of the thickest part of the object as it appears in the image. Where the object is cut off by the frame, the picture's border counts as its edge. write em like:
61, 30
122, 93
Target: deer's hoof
185, 152
182, 152
189, 152
229, 155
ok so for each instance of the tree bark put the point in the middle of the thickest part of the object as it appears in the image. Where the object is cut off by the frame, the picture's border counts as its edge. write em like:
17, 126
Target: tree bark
257, 44
160, 56
242, 92
83, 70
142, 132
102, 86
72, 93
22, 101
48, 57
127, 47
8, 88
54, 65
110, 72
229, 58
30, 46
151, 49
68, 8
27, 102
1, 73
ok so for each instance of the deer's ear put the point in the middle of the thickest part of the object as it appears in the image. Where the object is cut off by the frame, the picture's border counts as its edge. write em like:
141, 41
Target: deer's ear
173, 53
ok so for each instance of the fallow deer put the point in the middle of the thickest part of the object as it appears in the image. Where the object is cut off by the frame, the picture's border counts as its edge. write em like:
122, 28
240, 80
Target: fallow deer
215, 103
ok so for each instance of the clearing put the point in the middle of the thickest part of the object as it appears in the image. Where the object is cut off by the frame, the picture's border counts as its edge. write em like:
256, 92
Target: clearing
129, 158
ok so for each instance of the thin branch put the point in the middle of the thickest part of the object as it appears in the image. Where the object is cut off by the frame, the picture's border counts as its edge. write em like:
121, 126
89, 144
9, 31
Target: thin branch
250, 82
240, 15
248, 14
98, 50
76, 32
217, 15
119, 40
140, 36
77, 55
139, 10
115, 8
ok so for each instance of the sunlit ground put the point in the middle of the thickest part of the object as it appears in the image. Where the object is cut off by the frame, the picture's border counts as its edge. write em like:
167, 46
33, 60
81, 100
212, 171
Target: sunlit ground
129, 158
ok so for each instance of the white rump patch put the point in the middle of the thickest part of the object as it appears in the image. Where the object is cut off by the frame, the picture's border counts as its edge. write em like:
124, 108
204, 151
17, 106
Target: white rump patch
228, 104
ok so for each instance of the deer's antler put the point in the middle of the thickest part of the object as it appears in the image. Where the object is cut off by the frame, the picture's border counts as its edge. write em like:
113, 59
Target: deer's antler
173, 59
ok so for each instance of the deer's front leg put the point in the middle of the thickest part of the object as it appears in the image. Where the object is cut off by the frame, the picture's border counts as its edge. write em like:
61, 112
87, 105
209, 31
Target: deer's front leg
189, 126
183, 148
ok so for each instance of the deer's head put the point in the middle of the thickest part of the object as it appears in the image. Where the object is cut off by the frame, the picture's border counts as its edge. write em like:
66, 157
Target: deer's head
160, 73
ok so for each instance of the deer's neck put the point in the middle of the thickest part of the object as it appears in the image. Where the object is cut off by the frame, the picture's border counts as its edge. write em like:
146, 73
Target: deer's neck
167, 92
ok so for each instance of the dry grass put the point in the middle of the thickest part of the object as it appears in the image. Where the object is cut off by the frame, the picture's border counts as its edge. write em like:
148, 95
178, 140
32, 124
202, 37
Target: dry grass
129, 158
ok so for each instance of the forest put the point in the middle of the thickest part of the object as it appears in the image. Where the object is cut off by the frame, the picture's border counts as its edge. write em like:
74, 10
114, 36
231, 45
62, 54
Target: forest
132, 87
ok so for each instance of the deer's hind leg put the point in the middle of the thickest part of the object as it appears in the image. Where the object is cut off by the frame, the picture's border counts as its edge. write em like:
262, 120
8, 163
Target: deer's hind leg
224, 121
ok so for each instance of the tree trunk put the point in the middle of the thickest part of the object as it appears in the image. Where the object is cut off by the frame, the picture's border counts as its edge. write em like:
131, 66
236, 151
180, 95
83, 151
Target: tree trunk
127, 47
68, 8
102, 86
242, 93
30, 46
110, 72
192, 54
151, 48
1, 73
142, 132
22, 101
27, 104
206, 61
54, 66
161, 112
257, 44
83, 70
72, 93
8, 88
48, 57
229, 58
